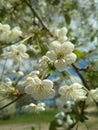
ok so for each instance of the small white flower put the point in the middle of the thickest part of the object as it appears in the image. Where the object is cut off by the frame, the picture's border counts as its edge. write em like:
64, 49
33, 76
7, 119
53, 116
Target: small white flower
39, 89
18, 73
16, 52
43, 62
4, 32
74, 92
61, 54
60, 34
68, 122
15, 33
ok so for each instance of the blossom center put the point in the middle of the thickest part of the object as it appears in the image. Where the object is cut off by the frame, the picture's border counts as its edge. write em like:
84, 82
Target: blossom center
40, 88
60, 55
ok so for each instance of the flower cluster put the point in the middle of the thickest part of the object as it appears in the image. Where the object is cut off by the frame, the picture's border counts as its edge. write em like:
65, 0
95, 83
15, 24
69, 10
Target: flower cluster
74, 92
6, 87
39, 89
16, 52
35, 108
60, 34
64, 120
7, 34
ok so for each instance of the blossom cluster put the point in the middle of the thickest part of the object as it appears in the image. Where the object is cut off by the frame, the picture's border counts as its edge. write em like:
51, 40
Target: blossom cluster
7, 34
35, 108
60, 52
64, 120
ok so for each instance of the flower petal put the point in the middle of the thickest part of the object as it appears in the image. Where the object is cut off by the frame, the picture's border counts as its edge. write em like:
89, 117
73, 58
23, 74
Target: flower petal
47, 83
60, 65
70, 58
67, 47
29, 89
52, 56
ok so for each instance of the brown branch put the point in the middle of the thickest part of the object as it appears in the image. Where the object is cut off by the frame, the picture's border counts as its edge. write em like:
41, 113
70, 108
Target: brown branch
84, 83
39, 18
16, 99
81, 77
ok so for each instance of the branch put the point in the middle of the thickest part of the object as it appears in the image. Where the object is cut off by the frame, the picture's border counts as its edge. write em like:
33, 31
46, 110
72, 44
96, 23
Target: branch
84, 82
16, 99
39, 18
81, 77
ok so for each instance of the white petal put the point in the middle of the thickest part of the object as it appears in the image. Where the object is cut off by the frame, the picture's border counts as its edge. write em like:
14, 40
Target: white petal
47, 83
32, 105
29, 89
70, 58
25, 56
61, 90
13, 48
22, 47
55, 45
67, 47
60, 65
52, 56
63, 31
77, 85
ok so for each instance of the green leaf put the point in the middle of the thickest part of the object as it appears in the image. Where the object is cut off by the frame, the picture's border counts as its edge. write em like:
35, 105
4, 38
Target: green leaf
79, 54
52, 72
67, 19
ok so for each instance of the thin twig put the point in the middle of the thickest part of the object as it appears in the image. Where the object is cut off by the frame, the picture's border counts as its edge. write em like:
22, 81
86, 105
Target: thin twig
16, 99
39, 18
84, 82
81, 77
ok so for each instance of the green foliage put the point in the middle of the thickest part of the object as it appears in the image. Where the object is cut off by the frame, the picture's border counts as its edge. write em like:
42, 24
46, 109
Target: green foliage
67, 19
32, 128
91, 76
80, 54
53, 125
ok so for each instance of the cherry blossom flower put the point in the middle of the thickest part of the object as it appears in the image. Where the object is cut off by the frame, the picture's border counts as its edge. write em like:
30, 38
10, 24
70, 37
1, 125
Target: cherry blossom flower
74, 92
16, 52
39, 89
60, 34
61, 54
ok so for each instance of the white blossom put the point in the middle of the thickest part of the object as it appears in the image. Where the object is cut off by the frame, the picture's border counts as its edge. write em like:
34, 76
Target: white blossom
68, 122
7, 34
39, 89
15, 33
16, 52
74, 92
61, 54
60, 34
18, 73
